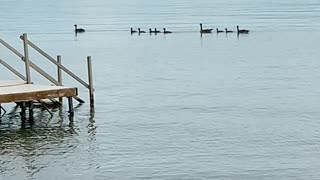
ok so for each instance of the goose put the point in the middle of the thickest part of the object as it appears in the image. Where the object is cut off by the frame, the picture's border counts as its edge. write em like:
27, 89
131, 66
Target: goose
156, 31
228, 31
132, 31
165, 31
242, 31
219, 31
205, 30
140, 31
78, 30
150, 31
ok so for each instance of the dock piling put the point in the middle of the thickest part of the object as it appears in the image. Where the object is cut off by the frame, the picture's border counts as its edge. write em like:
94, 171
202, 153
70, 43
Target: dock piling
71, 112
31, 112
23, 110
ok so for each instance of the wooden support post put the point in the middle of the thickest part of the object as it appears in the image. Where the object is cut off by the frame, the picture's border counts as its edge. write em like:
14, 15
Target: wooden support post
71, 112
31, 112
59, 73
26, 58
23, 110
91, 95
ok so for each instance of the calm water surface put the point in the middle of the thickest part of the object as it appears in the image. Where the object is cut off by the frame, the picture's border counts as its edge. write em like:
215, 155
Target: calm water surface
178, 106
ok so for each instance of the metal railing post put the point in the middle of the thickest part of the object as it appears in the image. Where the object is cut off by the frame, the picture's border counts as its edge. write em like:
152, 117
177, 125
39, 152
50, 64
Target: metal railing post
91, 95
59, 73
26, 58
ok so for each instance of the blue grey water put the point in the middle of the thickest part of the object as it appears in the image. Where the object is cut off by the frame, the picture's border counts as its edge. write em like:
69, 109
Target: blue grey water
176, 106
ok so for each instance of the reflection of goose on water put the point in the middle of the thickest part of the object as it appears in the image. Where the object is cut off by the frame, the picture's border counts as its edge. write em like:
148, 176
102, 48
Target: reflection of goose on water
219, 31
132, 31
78, 30
140, 31
205, 30
165, 31
228, 31
242, 31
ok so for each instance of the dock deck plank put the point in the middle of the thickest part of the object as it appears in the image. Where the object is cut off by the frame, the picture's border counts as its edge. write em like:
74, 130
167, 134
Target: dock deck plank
17, 91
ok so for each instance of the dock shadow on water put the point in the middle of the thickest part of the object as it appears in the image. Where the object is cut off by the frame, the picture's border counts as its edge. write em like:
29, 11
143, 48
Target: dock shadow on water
27, 148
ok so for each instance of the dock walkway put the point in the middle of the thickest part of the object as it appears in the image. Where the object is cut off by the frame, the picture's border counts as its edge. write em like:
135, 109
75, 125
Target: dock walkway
18, 91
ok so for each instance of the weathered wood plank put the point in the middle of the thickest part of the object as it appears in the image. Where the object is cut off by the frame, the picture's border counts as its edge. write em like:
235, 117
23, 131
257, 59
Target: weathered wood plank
13, 91
11, 83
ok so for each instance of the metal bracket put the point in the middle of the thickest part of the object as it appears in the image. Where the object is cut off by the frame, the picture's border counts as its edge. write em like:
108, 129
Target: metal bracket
45, 107
4, 111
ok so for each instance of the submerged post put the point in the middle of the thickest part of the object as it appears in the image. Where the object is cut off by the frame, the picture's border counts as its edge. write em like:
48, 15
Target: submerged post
71, 112
59, 73
26, 57
23, 110
31, 112
91, 95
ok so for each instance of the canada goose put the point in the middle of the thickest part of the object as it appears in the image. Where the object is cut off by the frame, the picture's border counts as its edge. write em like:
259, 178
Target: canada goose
78, 30
228, 31
132, 31
205, 30
150, 31
219, 31
156, 31
242, 31
140, 31
165, 31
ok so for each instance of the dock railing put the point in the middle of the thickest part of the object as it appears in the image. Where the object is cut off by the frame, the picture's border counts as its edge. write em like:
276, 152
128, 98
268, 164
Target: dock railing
57, 62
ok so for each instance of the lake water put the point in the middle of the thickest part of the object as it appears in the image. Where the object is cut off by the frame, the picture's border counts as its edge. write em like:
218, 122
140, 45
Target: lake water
176, 106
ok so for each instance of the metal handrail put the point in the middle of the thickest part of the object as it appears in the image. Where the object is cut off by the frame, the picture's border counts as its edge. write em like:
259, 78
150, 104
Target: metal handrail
54, 61
32, 65
13, 70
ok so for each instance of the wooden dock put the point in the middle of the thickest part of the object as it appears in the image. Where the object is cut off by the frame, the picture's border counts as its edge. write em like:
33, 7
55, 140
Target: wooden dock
25, 93
18, 91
